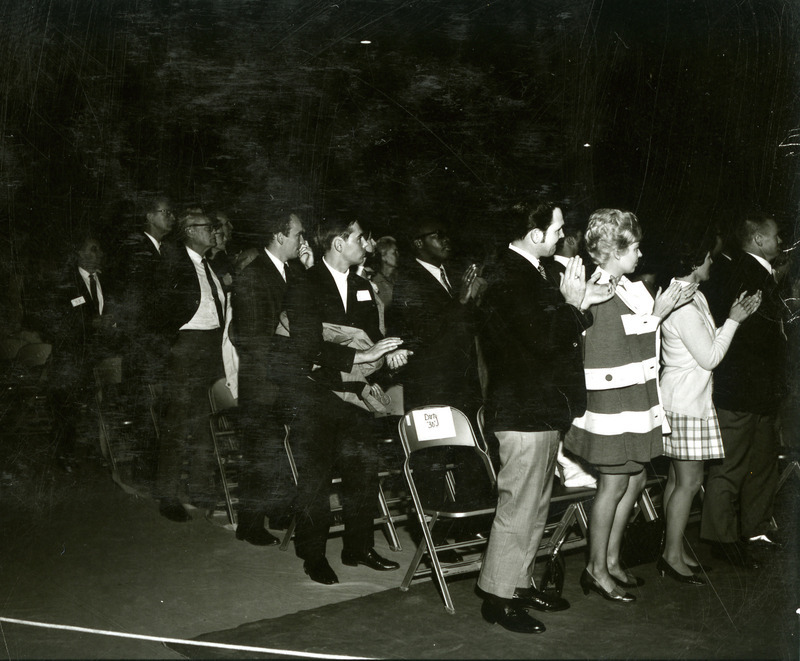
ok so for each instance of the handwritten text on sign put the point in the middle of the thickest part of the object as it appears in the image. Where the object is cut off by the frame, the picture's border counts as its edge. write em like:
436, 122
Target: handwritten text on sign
433, 424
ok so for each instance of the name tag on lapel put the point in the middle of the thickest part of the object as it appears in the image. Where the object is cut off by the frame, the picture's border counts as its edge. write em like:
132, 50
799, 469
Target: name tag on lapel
363, 295
78, 301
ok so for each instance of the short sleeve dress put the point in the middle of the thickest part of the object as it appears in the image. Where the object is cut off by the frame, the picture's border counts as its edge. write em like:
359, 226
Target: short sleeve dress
624, 420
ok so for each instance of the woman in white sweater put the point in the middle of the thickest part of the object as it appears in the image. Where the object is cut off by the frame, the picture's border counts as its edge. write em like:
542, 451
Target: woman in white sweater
691, 347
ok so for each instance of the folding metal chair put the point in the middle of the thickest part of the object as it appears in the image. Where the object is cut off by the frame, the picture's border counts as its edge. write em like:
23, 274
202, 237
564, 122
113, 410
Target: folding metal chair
226, 445
430, 427
386, 519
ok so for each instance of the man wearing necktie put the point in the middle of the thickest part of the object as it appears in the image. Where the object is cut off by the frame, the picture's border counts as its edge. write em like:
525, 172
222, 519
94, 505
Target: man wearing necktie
79, 337
266, 487
438, 324
193, 310
749, 386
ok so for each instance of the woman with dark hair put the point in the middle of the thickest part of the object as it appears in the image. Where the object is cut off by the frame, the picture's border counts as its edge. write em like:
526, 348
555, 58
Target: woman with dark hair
622, 427
691, 347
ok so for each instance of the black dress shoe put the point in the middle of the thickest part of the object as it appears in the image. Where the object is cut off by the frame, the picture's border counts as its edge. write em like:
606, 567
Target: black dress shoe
370, 559
735, 553
320, 571
538, 600
767, 540
699, 569
666, 569
511, 617
256, 536
589, 582
172, 509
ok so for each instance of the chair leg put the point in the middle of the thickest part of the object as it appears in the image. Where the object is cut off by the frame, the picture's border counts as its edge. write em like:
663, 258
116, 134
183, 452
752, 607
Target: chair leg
289, 532
222, 476
437, 566
388, 524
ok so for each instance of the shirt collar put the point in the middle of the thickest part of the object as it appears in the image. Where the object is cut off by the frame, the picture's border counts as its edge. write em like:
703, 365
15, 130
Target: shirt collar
195, 256
279, 264
85, 274
338, 276
531, 258
154, 241
762, 261
435, 271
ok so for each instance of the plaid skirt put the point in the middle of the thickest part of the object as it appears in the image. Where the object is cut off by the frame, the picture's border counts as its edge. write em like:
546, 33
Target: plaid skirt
693, 439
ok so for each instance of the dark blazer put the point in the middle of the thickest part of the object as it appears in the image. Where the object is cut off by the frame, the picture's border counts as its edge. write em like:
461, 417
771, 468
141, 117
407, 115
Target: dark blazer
441, 333
752, 375
180, 295
315, 300
71, 327
531, 340
257, 301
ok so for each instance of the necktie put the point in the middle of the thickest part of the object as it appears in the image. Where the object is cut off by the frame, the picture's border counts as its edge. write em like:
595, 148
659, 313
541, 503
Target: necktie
541, 270
93, 293
445, 280
214, 294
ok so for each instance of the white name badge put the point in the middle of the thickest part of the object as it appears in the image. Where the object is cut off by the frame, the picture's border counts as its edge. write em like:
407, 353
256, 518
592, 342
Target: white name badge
78, 301
363, 295
434, 423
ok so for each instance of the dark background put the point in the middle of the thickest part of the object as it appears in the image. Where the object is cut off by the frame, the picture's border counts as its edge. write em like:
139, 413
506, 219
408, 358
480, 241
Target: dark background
684, 111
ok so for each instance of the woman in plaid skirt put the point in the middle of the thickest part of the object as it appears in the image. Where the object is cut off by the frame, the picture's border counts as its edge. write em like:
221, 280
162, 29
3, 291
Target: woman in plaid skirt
691, 347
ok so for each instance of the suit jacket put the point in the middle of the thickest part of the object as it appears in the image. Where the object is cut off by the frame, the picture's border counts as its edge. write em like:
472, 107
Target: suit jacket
315, 300
752, 376
531, 339
71, 327
180, 296
257, 301
441, 333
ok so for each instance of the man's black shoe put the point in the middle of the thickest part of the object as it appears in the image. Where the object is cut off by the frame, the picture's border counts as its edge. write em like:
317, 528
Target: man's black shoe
320, 571
450, 556
540, 601
735, 553
511, 617
370, 559
256, 536
172, 509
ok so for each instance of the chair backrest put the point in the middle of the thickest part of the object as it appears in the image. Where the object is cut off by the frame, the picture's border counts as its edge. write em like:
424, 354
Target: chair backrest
220, 396
33, 355
440, 426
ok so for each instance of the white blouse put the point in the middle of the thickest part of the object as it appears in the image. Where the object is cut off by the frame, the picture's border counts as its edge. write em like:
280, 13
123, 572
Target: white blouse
691, 346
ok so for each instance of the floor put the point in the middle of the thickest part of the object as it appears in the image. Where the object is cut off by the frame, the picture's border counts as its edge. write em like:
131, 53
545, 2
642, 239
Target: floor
77, 550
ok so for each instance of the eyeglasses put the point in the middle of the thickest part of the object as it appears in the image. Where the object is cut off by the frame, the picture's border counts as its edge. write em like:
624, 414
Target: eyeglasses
166, 211
213, 227
440, 234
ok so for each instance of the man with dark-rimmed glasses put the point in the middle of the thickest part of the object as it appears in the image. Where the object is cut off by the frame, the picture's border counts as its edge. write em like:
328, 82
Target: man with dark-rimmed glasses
193, 309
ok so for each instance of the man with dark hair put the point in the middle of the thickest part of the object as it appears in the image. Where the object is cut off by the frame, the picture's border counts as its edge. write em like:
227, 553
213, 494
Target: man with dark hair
325, 430
193, 310
264, 374
79, 329
749, 386
531, 338
147, 349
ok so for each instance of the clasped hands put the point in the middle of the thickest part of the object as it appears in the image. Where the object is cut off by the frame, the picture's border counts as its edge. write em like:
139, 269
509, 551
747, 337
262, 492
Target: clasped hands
580, 292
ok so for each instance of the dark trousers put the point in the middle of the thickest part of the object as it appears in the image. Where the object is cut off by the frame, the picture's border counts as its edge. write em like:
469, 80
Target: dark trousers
330, 439
266, 486
740, 489
195, 362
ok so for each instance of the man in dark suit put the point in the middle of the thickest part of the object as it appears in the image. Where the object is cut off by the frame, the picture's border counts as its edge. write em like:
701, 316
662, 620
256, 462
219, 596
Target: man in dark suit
79, 330
749, 386
325, 430
192, 311
147, 349
264, 364
531, 338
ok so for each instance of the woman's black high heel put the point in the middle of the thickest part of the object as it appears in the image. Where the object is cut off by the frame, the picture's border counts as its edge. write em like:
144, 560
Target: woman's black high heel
665, 569
635, 583
699, 569
589, 582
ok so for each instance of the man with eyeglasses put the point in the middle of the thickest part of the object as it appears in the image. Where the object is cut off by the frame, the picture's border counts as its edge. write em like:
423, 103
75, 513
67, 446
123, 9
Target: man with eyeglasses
193, 310
147, 349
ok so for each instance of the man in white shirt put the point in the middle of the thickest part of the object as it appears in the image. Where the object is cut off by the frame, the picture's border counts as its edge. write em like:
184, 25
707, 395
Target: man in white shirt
193, 309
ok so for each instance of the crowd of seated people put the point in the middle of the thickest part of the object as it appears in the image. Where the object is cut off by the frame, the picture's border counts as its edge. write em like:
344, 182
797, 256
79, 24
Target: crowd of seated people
563, 357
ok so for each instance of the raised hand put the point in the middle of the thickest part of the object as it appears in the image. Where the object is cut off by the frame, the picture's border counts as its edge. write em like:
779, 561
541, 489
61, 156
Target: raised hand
597, 293
468, 289
744, 306
397, 358
672, 297
306, 255
573, 282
